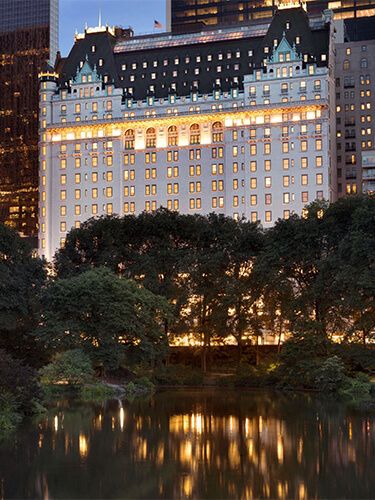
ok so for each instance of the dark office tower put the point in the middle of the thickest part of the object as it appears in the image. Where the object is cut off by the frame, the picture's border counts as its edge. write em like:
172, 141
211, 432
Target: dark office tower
185, 16
28, 38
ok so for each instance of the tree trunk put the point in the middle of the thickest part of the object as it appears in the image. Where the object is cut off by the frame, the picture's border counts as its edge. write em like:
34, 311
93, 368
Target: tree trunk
239, 349
280, 333
364, 336
257, 352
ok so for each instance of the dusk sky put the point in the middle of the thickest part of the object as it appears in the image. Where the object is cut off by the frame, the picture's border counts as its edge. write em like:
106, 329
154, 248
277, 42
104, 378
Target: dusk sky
140, 14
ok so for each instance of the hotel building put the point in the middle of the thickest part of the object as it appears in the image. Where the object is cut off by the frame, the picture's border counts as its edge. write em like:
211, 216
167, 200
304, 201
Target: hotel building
235, 121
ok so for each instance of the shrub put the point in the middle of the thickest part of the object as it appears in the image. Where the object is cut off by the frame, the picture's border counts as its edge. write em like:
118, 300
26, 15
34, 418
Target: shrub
330, 376
96, 392
20, 382
139, 387
357, 388
68, 368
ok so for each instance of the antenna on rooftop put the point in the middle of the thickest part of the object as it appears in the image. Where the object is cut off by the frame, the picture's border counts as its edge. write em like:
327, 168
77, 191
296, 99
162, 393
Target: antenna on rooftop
100, 18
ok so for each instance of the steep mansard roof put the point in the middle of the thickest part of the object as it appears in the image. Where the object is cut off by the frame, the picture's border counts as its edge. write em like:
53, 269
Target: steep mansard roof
119, 56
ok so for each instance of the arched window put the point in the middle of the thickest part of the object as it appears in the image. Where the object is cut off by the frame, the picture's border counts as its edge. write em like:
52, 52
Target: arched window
129, 139
195, 134
172, 136
217, 132
150, 138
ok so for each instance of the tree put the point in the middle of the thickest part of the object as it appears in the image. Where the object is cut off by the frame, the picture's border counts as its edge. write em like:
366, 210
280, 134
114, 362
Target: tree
354, 264
21, 278
242, 290
106, 315
295, 262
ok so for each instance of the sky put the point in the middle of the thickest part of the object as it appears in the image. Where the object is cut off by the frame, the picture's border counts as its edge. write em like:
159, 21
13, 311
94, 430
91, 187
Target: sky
139, 14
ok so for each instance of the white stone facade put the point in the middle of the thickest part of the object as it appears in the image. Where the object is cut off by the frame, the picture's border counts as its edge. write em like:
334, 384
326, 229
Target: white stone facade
262, 153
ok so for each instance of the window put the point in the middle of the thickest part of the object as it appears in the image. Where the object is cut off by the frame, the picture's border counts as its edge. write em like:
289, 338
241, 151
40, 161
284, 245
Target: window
172, 136
268, 216
195, 134
150, 138
364, 63
217, 132
129, 139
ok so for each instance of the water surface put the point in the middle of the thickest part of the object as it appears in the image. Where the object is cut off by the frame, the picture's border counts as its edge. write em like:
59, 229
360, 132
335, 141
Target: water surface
194, 444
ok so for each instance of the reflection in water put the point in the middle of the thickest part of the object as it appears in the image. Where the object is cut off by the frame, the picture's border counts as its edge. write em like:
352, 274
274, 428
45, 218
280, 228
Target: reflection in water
194, 444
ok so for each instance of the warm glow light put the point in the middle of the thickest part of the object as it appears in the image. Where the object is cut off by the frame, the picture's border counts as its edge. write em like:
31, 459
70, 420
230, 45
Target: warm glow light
83, 446
122, 418
229, 118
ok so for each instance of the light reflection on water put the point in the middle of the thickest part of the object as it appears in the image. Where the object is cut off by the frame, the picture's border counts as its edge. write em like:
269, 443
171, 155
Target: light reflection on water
194, 444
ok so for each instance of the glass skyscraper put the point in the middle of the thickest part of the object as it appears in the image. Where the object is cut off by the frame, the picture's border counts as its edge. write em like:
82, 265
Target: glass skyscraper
28, 38
194, 15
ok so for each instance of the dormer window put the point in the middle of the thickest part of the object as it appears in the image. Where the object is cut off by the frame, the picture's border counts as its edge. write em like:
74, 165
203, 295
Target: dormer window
298, 39
144, 64
100, 62
134, 66
81, 64
266, 50
123, 67
287, 25
324, 57
176, 60
93, 48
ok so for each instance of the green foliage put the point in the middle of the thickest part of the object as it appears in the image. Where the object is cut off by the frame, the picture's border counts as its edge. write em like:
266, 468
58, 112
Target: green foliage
178, 375
71, 367
10, 416
20, 381
96, 392
105, 315
22, 276
139, 387
356, 388
331, 375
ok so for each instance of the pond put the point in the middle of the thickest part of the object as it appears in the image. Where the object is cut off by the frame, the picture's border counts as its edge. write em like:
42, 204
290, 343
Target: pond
193, 444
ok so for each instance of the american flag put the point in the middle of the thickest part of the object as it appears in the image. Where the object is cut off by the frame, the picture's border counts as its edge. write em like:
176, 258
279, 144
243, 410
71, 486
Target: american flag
157, 25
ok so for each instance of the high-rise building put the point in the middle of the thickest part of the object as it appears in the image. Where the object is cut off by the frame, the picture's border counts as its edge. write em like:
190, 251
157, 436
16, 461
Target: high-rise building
237, 121
355, 104
28, 38
194, 15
